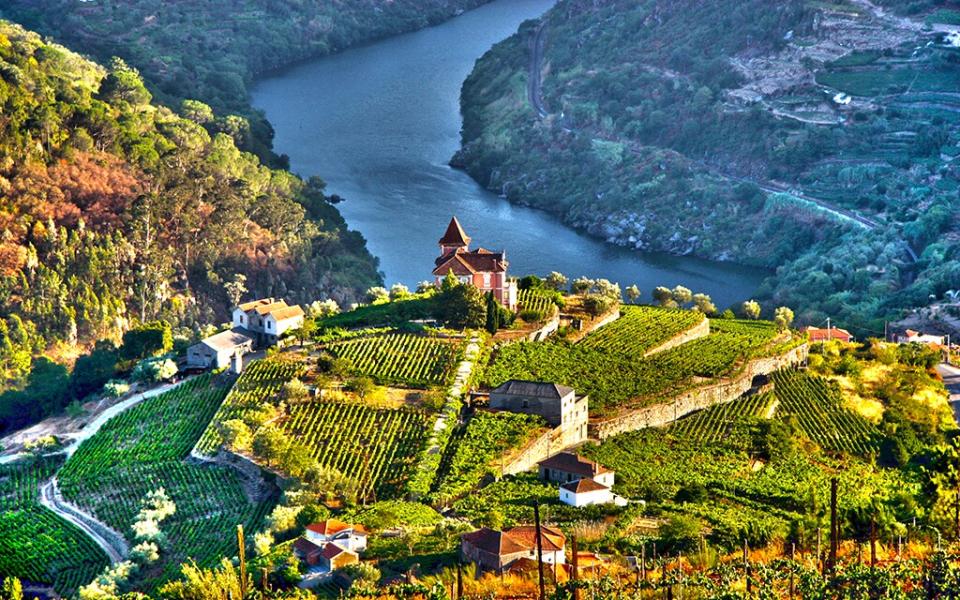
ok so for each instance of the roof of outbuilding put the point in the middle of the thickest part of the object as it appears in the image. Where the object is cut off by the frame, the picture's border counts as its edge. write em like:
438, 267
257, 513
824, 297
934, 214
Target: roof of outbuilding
334, 526
288, 312
226, 340
533, 389
568, 462
552, 540
266, 309
582, 486
305, 546
332, 550
247, 306
494, 542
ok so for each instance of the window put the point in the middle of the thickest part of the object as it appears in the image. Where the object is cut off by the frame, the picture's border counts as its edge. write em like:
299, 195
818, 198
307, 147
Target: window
525, 404
268, 324
486, 280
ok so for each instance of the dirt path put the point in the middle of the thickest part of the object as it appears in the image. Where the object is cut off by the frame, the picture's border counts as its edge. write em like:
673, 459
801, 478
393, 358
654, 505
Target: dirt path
534, 79
57, 426
111, 541
951, 379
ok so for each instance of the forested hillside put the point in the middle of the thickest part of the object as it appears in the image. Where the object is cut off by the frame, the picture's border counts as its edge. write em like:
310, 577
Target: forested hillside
116, 210
817, 138
211, 49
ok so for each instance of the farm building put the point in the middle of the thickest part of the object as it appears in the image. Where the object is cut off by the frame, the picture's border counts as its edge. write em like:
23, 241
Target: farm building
497, 551
566, 467
910, 337
332, 531
307, 551
819, 334
336, 557
559, 405
217, 350
267, 319
585, 492
484, 269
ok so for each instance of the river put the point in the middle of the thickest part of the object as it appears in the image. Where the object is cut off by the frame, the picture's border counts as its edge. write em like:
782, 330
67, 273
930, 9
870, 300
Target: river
379, 124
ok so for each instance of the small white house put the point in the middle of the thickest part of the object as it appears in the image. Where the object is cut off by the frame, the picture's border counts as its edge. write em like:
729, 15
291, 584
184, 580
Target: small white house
585, 492
267, 319
347, 536
217, 350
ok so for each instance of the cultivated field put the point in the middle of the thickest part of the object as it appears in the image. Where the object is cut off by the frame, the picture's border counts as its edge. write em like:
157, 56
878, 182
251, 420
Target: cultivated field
407, 359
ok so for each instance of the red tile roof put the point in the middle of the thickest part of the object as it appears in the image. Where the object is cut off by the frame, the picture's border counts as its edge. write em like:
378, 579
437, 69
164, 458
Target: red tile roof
818, 334
568, 462
468, 263
332, 551
582, 486
333, 526
454, 236
552, 540
306, 547
494, 542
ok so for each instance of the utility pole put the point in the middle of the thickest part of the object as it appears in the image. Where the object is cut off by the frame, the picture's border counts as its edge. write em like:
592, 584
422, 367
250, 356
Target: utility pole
536, 520
829, 331
575, 574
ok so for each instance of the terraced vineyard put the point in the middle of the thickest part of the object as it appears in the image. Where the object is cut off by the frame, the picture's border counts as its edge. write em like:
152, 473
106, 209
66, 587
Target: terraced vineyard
713, 424
377, 447
615, 378
641, 328
471, 453
536, 300
146, 448
818, 408
260, 382
401, 358
36, 544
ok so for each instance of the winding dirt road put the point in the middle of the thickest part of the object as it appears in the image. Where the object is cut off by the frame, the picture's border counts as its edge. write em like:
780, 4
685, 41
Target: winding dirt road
112, 542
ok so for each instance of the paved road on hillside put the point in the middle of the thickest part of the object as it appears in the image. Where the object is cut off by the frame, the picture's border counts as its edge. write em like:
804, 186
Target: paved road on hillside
951, 379
535, 82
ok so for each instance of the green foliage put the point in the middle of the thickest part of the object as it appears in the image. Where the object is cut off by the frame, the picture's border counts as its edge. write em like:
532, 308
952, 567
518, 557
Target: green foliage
472, 453
401, 358
145, 448
609, 365
35, 544
460, 306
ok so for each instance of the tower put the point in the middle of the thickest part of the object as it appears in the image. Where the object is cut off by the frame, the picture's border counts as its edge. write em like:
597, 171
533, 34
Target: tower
454, 240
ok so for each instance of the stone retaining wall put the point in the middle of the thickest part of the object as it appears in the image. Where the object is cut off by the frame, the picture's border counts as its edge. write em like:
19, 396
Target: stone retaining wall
700, 330
696, 399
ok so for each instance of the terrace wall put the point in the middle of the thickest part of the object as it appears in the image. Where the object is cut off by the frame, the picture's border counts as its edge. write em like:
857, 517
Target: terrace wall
544, 446
700, 330
696, 399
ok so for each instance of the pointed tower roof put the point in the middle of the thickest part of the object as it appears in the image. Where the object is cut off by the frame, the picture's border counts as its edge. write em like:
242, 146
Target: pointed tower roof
455, 235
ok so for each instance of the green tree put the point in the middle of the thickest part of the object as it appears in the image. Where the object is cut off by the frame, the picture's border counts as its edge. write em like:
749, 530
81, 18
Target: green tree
783, 317
681, 295
271, 444
461, 307
664, 297
633, 293
750, 309
12, 589
149, 339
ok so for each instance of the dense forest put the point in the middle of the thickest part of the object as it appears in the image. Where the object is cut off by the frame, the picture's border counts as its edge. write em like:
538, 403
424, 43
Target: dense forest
117, 211
212, 49
816, 138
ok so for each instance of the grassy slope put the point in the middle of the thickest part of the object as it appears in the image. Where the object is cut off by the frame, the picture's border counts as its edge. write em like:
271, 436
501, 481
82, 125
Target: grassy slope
647, 127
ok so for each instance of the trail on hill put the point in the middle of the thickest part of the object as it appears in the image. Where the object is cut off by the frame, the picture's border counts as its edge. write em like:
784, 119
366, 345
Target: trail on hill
112, 542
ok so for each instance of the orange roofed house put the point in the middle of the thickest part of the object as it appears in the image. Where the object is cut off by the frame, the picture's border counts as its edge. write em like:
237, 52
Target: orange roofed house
484, 269
496, 551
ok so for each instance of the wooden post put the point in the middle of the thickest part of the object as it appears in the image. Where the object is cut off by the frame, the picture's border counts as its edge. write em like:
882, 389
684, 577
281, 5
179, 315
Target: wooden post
643, 561
746, 565
575, 573
873, 542
459, 579
819, 542
834, 524
536, 520
242, 553
956, 513
793, 564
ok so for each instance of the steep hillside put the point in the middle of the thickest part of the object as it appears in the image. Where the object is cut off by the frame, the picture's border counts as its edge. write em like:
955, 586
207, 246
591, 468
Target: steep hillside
211, 49
812, 137
115, 209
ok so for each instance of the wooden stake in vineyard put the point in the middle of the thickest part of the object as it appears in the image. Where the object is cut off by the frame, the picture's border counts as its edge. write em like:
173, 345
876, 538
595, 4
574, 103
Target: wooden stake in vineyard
834, 524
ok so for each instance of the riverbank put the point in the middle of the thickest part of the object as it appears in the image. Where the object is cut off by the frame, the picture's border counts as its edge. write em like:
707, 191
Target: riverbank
381, 122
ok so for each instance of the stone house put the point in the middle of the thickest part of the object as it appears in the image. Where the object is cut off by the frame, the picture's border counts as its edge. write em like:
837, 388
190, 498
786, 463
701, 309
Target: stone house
217, 350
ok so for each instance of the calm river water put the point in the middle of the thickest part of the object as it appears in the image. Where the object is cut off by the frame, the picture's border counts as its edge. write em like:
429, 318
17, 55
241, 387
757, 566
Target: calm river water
379, 124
